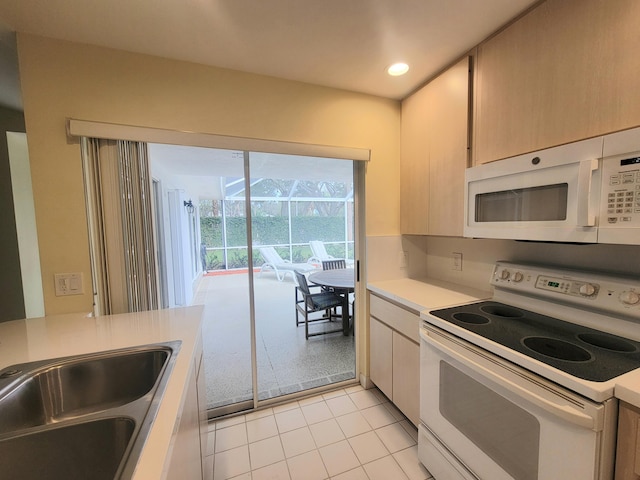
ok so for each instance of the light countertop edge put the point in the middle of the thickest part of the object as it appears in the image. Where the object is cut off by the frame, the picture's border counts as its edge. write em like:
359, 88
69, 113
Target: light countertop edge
74, 334
425, 294
628, 388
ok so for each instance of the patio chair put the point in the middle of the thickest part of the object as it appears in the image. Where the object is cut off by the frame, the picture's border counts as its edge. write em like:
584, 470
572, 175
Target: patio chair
281, 267
315, 302
334, 264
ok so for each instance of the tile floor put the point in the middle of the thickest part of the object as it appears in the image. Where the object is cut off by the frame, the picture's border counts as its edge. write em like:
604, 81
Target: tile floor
346, 434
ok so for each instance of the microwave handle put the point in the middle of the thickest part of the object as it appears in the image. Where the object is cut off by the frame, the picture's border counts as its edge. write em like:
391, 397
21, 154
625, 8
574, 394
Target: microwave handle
586, 218
572, 415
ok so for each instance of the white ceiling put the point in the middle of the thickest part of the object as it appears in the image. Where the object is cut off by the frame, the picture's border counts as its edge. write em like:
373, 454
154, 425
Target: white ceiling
345, 44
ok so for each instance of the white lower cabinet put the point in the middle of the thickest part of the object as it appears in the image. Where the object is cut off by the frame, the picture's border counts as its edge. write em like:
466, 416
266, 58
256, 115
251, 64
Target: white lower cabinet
395, 355
381, 348
406, 377
189, 447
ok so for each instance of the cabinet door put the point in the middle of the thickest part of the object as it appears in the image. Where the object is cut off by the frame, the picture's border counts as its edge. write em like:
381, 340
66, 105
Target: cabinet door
186, 459
434, 152
628, 451
406, 377
381, 356
448, 150
414, 164
566, 71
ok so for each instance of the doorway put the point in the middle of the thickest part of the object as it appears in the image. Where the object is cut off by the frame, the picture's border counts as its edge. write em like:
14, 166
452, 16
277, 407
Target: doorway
242, 201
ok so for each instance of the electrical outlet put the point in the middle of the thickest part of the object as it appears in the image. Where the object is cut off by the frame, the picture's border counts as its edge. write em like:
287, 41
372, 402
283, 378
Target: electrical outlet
456, 261
403, 259
68, 284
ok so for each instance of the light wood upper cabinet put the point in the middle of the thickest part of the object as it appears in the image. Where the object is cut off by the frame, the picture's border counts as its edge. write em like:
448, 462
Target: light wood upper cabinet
414, 163
566, 71
434, 142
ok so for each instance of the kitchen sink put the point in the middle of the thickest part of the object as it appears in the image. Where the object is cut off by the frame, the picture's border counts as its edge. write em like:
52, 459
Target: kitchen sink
85, 416
92, 449
79, 386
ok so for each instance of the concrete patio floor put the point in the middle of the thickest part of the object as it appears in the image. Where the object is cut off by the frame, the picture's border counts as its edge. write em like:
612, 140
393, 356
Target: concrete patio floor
286, 361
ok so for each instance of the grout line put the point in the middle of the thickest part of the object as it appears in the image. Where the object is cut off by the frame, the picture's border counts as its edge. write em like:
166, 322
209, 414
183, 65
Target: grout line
394, 413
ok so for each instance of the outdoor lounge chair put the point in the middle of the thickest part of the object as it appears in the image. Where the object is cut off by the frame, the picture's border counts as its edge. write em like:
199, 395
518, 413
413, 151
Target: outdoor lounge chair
319, 253
281, 267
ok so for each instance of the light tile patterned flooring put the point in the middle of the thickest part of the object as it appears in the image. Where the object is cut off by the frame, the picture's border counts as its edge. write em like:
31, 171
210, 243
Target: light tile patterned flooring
346, 434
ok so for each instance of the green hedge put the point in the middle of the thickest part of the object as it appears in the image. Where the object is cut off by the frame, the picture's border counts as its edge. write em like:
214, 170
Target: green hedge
272, 230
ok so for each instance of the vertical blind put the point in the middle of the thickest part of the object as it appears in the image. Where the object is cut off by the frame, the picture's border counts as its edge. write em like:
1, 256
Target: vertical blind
120, 213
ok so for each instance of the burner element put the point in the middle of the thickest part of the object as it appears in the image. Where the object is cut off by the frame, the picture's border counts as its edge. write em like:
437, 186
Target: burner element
471, 318
607, 341
502, 311
555, 348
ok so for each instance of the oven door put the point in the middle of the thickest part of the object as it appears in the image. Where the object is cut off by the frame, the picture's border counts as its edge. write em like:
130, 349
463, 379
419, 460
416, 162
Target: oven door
551, 195
482, 417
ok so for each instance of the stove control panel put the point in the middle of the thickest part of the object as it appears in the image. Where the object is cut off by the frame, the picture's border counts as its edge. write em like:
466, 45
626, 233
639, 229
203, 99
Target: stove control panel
606, 293
568, 287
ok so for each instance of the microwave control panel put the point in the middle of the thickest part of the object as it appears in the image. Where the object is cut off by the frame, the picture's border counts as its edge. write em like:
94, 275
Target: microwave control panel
620, 194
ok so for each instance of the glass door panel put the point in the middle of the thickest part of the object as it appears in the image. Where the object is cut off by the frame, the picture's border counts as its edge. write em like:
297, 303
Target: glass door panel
211, 179
295, 200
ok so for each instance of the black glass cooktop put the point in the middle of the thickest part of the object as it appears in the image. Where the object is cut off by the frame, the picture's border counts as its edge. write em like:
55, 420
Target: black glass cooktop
579, 351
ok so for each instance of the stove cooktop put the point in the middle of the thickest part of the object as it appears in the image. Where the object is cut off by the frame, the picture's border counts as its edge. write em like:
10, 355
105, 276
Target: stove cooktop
580, 351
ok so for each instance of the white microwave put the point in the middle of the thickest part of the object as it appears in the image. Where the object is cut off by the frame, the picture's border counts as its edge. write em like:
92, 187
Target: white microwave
571, 193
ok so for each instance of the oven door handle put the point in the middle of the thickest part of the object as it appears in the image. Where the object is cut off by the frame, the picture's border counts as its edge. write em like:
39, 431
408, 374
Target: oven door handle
567, 413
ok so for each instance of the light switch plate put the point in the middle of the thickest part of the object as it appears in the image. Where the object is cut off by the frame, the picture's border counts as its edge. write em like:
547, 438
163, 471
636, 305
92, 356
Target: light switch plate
68, 284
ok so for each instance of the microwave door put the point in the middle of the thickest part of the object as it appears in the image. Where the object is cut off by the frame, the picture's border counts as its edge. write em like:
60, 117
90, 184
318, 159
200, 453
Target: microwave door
546, 204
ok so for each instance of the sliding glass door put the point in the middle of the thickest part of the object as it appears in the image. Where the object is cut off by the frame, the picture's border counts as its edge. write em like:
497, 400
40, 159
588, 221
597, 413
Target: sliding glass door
228, 207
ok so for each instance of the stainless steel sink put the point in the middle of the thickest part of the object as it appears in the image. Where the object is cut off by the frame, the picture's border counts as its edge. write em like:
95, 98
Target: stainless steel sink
79, 386
80, 451
63, 416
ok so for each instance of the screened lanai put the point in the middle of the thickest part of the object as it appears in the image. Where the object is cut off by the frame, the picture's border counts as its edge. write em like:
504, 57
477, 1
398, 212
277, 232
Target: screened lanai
286, 214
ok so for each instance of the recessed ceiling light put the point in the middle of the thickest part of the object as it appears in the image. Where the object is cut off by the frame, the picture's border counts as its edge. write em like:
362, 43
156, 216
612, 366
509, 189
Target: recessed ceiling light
398, 69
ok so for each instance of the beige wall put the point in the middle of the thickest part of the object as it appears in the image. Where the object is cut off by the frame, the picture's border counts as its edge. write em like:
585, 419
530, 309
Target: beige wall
61, 80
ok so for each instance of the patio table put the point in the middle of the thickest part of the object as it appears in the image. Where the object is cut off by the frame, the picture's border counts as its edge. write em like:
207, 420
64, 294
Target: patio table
342, 281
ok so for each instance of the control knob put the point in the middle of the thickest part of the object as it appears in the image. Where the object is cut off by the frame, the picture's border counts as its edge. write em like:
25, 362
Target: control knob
587, 290
504, 274
629, 298
517, 277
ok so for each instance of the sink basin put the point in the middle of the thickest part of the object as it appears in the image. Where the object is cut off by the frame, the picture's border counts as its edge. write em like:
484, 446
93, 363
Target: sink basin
87, 450
79, 386
86, 416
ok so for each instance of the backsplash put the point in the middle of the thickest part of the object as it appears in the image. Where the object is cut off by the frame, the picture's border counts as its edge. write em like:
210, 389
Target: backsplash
429, 256
479, 256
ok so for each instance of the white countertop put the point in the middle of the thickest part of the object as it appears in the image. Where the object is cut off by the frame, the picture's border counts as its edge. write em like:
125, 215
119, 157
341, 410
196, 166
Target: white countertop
62, 335
628, 388
426, 294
